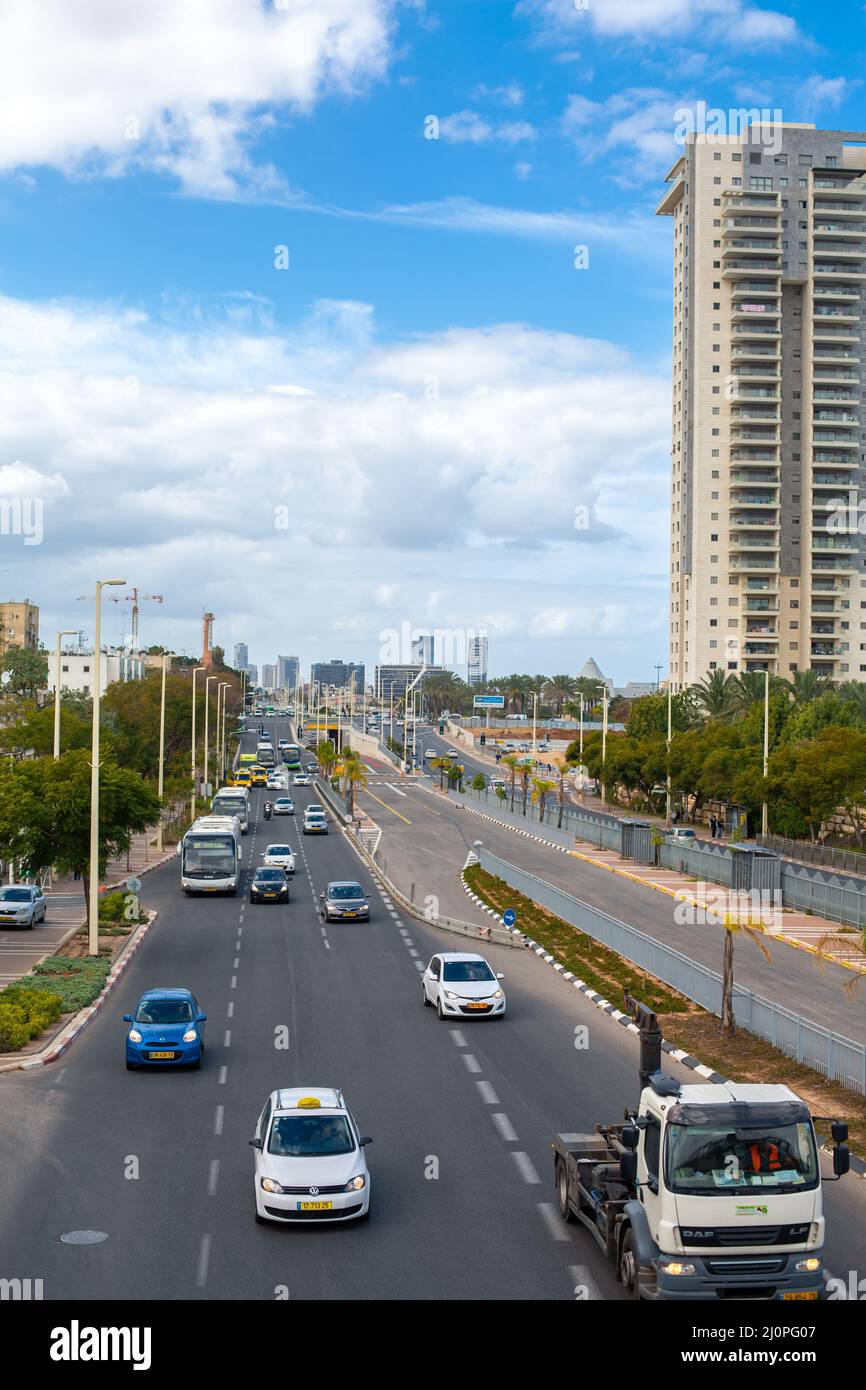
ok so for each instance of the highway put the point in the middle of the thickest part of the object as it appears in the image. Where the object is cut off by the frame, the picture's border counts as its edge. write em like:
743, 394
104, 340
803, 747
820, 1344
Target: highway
461, 1117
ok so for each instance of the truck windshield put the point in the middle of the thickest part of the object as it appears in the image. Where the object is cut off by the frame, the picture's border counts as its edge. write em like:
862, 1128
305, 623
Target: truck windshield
720, 1160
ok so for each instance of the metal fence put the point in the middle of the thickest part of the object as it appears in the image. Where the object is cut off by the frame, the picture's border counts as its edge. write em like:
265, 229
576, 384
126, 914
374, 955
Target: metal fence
823, 856
834, 1056
595, 827
824, 894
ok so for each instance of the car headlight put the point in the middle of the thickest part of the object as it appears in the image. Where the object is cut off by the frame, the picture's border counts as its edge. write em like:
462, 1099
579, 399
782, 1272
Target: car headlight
190, 1035
449, 994
134, 1035
271, 1185
355, 1184
677, 1267
498, 994
808, 1266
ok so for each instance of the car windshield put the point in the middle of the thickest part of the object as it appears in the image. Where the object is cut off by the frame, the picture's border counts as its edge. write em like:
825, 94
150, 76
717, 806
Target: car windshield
164, 1011
278, 849
270, 875
15, 895
466, 971
722, 1159
310, 1136
345, 890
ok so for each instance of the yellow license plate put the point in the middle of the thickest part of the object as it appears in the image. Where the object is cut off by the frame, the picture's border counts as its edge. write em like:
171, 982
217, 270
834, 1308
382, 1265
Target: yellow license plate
477, 1006
805, 1293
161, 1056
315, 1206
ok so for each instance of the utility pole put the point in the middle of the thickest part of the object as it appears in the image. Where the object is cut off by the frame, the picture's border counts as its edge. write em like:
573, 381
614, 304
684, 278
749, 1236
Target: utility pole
668, 797
195, 672
161, 778
93, 913
765, 820
207, 725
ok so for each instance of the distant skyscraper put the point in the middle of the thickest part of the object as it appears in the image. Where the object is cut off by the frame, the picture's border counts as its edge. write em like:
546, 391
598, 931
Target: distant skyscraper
242, 656
287, 672
476, 661
252, 675
339, 673
423, 650
269, 676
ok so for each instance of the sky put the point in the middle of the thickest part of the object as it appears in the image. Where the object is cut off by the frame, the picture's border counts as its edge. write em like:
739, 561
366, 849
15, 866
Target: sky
334, 317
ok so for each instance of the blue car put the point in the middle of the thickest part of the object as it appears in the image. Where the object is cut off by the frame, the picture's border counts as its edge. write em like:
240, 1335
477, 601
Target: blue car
167, 1029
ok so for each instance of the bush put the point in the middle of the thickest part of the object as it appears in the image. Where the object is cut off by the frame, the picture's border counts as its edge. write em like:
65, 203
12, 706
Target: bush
111, 906
24, 1014
76, 982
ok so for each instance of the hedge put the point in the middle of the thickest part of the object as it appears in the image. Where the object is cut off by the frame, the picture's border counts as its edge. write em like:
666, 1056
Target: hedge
76, 982
24, 1014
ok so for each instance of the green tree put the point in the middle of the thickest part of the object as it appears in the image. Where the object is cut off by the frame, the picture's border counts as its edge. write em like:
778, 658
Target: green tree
353, 774
807, 685
714, 694
34, 732
831, 709
326, 757
540, 789
819, 776
27, 671
479, 782
512, 767
557, 690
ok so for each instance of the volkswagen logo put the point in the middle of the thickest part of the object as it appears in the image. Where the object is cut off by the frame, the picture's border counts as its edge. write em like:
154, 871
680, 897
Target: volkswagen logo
314, 1192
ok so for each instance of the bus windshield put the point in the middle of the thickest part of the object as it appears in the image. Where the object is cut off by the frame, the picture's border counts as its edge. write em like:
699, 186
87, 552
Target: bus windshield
292, 756
209, 856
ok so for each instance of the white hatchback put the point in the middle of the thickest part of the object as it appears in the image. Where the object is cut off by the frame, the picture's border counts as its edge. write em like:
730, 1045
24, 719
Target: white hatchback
309, 1159
279, 857
462, 985
301, 779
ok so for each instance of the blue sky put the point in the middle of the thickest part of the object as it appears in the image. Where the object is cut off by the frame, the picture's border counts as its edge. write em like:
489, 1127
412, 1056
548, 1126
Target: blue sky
431, 389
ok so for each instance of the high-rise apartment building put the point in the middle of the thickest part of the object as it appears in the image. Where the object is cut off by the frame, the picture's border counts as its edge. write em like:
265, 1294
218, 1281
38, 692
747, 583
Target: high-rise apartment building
287, 672
19, 625
423, 650
340, 674
242, 656
269, 676
476, 661
766, 555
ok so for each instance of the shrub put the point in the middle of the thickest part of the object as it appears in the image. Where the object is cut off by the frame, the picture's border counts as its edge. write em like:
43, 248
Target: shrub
111, 906
24, 1014
76, 982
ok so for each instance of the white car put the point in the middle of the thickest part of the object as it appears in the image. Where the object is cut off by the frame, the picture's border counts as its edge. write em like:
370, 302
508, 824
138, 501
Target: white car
315, 823
462, 985
22, 905
284, 806
279, 857
276, 782
430, 753
309, 1159
284, 743
301, 779
452, 753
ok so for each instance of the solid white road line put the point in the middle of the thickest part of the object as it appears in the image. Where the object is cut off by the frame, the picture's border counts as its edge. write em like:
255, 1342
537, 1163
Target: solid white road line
525, 1167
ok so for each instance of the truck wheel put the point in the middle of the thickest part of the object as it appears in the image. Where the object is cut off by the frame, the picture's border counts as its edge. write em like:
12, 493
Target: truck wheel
562, 1192
628, 1266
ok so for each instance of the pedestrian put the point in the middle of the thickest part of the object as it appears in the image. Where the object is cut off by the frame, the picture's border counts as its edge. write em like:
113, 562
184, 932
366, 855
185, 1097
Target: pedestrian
712, 827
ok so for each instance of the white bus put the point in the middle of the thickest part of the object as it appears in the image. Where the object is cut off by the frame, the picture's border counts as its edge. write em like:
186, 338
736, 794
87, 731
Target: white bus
210, 855
233, 801
265, 754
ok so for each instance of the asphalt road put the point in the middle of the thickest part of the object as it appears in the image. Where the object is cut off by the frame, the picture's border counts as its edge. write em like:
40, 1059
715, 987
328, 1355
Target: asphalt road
462, 1117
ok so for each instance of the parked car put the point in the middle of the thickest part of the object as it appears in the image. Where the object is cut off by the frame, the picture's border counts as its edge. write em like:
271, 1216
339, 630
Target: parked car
22, 905
681, 832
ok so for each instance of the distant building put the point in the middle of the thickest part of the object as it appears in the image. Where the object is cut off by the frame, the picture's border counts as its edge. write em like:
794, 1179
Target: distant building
252, 675
476, 663
400, 677
635, 690
19, 625
269, 676
591, 671
242, 656
77, 669
423, 650
338, 673
287, 672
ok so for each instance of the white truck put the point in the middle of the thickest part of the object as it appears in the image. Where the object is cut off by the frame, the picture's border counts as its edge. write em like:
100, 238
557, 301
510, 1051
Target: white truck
706, 1192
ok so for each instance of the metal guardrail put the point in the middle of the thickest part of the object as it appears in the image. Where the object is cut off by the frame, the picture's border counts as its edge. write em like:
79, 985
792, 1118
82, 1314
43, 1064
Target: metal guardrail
821, 856
833, 1055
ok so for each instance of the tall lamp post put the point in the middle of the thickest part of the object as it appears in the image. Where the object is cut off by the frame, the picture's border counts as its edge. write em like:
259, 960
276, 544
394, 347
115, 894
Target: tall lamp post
67, 632
219, 763
195, 672
93, 914
227, 685
765, 821
161, 779
207, 724
604, 743
668, 796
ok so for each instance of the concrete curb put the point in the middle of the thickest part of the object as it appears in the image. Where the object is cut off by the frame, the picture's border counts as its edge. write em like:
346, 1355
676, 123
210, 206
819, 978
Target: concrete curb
594, 997
76, 1025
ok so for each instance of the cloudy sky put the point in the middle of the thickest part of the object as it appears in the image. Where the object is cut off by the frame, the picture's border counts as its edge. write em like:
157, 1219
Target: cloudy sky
330, 316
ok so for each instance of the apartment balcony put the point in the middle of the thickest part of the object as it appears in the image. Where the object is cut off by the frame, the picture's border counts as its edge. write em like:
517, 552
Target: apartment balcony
820, 394
765, 606
848, 230
763, 437
828, 269
754, 458
754, 562
821, 333
825, 586
831, 480
835, 437
853, 188
767, 522
838, 251
826, 649
840, 545
762, 586
754, 372
820, 629
743, 476
770, 353
763, 394
822, 416
847, 315
676, 183
759, 649
753, 225
733, 270
821, 457
835, 293
826, 564
823, 206
830, 356
750, 542
748, 289
752, 416
756, 330
758, 499
737, 201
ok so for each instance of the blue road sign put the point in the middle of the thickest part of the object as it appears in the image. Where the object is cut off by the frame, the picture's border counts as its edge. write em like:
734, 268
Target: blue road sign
509, 917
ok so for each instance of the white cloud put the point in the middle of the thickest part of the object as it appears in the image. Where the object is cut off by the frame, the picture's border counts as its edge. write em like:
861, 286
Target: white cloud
726, 21
163, 453
511, 94
104, 87
818, 93
522, 169
629, 232
467, 127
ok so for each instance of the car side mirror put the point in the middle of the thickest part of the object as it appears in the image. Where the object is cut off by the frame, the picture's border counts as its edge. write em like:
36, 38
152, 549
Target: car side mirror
255, 1143
499, 975
127, 1018
364, 1141
202, 1017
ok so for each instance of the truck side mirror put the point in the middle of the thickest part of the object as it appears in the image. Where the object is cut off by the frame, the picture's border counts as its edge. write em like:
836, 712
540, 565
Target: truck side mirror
839, 1131
629, 1136
841, 1160
628, 1167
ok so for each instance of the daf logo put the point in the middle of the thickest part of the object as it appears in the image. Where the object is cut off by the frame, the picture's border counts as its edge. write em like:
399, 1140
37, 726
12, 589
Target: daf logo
314, 1192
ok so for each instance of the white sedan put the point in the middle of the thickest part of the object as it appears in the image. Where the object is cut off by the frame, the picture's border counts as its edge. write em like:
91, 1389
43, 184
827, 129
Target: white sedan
309, 1159
462, 985
279, 857
301, 779
430, 753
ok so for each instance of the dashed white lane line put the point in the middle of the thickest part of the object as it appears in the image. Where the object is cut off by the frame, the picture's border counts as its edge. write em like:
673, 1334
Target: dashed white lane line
218, 1119
551, 1219
395, 789
234, 982
203, 1261
525, 1166
412, 951
585, 1286
457, 1037
240, 931
487, 1093
403, 933
505, 1127
419, 965
224, 1071
235, 962
213, 1177
471, 1062
227, 1040
231, 1009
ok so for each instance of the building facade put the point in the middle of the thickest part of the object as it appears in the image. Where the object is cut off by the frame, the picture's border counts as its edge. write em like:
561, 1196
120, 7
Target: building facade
269, 676
423, 650
287, 672
19, 625
77, 669
340, 674
766, 554
476, 662
399, 677
242, 656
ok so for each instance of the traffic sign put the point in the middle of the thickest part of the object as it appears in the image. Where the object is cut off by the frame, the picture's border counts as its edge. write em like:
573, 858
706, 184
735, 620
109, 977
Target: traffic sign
133, 884
488, 702
509, 917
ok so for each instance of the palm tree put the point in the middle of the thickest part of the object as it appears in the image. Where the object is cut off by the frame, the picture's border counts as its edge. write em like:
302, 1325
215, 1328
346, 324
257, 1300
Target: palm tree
515, 692
747, 689
558, 690
715, 694
540, 788
326, 756
353, 773
513, 766
560, 797
854, 693
808, 685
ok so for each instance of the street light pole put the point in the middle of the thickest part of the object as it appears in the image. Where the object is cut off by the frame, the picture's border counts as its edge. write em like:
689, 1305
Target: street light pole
581, 730
765, 820
604, 745
67, 632
228, 686
93, 914
161, 778
195, 671
207, 725
668, 798
534, 720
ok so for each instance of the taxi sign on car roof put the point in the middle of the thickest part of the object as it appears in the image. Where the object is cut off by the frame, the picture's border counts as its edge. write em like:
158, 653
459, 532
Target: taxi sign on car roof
309, 1103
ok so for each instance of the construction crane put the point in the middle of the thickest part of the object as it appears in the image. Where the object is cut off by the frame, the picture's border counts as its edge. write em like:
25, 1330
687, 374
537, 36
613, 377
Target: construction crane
134, 597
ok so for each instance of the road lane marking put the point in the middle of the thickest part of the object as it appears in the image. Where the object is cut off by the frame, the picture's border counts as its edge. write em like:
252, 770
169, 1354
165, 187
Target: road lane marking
224, 1071
581, 1278
203, 1261
525, 1166
231, 1009
471, 1062
218, 1119
459, 1039
395, 789
505, 1127
234, 983
412, 951
552, 1220
213, 1177
227, 1040
419, 965
487, 1093
387, 807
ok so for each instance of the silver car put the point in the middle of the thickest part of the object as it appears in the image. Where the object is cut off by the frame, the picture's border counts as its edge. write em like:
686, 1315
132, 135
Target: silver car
22, 905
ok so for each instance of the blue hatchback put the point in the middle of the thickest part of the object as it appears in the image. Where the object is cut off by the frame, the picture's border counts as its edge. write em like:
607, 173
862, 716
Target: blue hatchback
167, 1029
